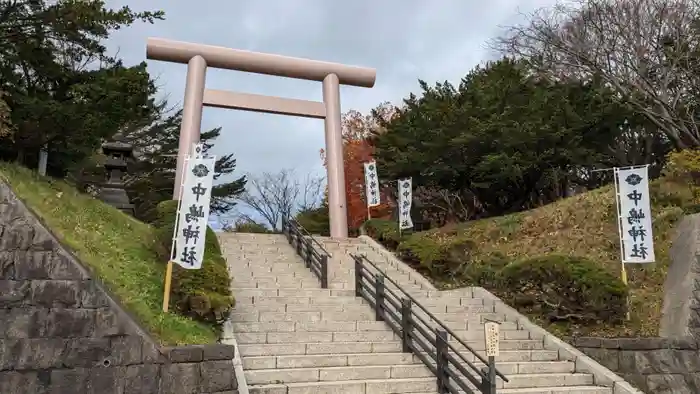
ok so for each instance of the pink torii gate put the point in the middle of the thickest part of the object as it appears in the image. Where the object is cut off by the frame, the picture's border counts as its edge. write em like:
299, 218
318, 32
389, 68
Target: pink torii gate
198, 57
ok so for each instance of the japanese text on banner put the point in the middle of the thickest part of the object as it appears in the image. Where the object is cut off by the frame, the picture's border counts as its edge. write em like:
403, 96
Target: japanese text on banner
636, 238
405, 201
193, 210
371, 184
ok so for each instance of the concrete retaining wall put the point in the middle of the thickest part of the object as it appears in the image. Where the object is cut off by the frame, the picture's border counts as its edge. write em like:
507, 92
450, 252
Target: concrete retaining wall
655, 365
62, 332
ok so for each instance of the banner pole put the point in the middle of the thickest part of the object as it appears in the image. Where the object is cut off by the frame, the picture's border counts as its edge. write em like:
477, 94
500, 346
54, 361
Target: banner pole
623, 269
168, 282
169, 268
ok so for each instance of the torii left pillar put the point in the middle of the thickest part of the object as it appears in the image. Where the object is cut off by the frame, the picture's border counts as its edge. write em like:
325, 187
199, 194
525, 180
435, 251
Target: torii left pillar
198, 57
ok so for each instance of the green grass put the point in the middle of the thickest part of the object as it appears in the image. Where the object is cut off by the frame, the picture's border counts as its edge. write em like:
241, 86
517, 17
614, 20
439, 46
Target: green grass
585, 226
117, 248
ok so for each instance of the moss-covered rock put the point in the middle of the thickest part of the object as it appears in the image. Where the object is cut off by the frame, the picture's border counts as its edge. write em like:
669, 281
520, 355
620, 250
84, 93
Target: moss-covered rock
202, 294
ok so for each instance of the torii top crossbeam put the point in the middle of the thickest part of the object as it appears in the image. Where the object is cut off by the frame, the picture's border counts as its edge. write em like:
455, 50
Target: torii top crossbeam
199, 57
260, 63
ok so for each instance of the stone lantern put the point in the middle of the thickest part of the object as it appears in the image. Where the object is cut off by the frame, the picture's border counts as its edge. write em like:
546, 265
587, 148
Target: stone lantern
112, 191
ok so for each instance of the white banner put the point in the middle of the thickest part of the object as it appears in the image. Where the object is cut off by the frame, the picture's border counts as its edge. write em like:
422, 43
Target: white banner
634, 215
193, 210
405, 201
371, 184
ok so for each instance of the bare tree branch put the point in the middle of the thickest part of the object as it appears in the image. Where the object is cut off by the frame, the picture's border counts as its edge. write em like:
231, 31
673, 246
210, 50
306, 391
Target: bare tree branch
275, 196
312, 192
646, 50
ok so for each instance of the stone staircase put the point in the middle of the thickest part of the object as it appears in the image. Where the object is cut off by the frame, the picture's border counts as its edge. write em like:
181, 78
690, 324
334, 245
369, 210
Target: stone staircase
296, 338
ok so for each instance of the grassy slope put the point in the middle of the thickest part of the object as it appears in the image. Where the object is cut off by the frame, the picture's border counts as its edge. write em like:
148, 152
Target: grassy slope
115, 246
586, 225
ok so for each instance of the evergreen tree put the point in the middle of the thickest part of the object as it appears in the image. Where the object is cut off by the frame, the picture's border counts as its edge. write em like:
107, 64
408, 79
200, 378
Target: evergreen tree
152, 175
62, 89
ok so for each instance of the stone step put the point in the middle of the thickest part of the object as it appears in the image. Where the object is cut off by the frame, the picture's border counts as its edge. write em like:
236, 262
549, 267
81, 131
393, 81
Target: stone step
507, 344
561, 375
549, 390
287, 277
333, 374
251, 315
355, 336
381, 386
328, 348
281, 349
311, 336
255, 316
283, 255
264, 300
367, 325
269, 244
326, 360
349, 360
457, 309
239, 248
457, 301
226, 242
246, 292
311, 300
264, 284
530, 359
317, 326
460, 321
354, 305
261, 267
546, 380
558, 390
460, 318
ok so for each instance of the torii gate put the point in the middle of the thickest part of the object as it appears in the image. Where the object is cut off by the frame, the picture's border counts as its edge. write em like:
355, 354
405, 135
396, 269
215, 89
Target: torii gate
198, 57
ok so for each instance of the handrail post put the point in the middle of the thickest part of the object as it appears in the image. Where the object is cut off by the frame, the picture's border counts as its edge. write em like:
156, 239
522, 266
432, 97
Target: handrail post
406, 325
286, 231
379, 300
442, 361
297, 235
358, 276
490, 386
324, 271
307, 253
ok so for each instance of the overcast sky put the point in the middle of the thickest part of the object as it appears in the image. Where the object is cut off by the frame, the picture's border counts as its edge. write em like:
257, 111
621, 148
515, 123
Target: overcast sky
403, 39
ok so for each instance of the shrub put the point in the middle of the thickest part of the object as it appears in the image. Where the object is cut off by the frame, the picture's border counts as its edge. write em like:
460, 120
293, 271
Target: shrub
485, 271
683, 165
202, 294
315, 221
250, 226
386, 232
564, 288
669, 193
441, 255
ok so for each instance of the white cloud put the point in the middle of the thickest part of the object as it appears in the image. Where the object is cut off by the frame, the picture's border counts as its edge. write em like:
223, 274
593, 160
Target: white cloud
403, 39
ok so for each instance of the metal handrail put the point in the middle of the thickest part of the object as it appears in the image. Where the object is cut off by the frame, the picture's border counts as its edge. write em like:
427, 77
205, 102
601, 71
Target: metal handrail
427, 312
306, 233
444, 365
314, 254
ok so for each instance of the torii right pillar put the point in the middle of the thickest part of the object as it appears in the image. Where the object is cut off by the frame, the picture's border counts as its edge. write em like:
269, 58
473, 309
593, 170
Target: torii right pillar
199, 57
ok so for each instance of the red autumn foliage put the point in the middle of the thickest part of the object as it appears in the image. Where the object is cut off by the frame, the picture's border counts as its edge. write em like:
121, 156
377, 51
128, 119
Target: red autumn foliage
357, 150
